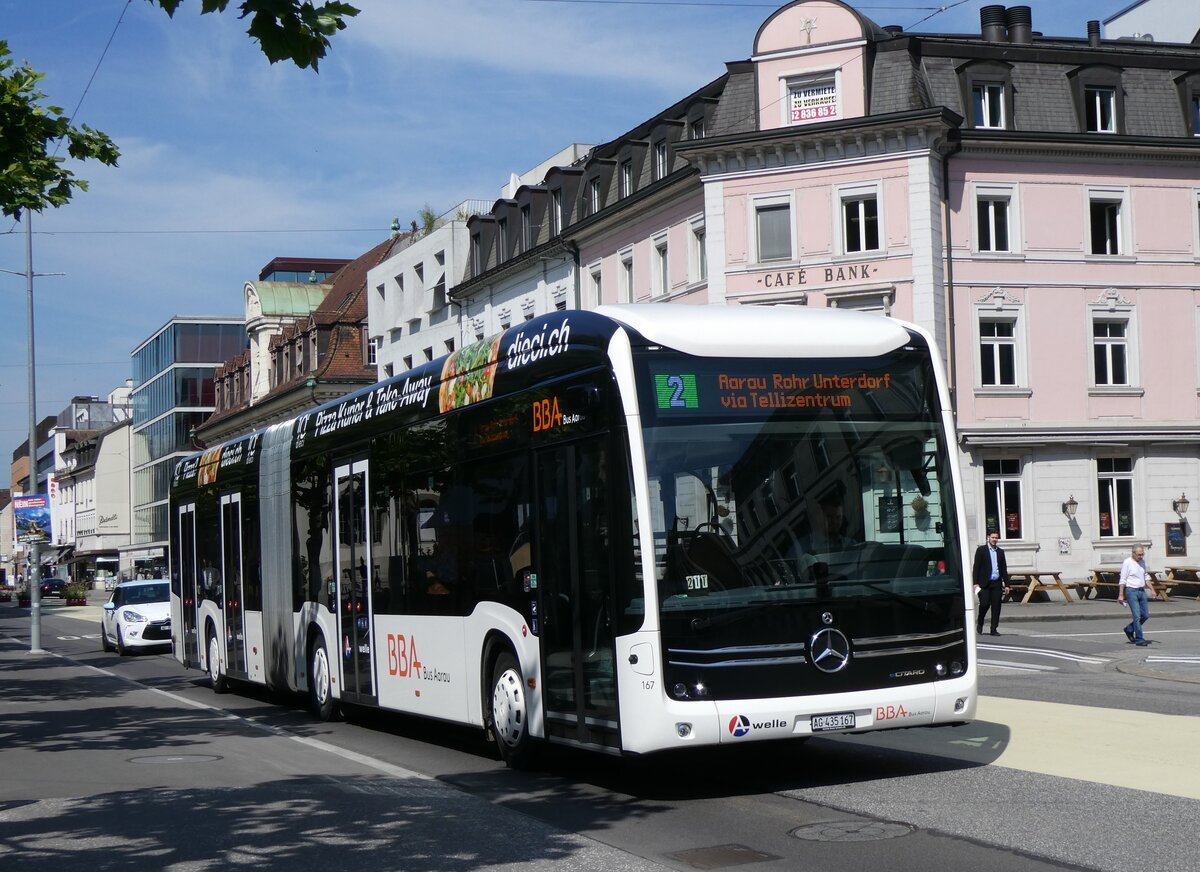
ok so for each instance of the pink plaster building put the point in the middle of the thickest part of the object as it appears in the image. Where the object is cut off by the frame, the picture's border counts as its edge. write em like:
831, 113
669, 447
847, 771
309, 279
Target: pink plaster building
1033, 201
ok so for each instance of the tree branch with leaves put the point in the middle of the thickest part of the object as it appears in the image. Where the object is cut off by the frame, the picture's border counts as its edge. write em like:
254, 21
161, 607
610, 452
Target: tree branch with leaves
34, 176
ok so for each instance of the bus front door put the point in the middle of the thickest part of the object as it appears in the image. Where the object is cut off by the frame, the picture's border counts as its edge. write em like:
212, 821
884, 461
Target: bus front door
575, 583
234, 605
352, 520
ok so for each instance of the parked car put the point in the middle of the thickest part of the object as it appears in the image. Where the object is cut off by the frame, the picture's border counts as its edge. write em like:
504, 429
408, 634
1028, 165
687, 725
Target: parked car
137, 615
54, 587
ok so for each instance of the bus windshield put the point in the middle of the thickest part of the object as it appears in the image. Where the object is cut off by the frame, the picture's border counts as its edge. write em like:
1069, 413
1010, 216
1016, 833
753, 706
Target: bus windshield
798, 482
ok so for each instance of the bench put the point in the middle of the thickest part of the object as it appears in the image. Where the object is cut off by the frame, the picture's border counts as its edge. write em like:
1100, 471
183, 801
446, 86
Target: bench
1034, 581
1108, 581
1186, 580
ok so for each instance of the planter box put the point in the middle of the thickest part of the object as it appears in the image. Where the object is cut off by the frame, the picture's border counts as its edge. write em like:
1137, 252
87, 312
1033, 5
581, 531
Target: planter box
81, 601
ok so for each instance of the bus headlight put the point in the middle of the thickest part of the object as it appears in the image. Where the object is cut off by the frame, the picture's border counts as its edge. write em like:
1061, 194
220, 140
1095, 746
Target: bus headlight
940, 669
956, 668
679, 690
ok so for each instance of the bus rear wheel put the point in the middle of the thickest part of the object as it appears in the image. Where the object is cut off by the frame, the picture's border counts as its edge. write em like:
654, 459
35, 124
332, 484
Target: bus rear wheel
219, 682
320, 685
510, 713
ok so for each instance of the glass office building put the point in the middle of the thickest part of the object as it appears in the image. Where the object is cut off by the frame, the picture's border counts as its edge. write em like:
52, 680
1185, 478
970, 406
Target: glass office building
173, 392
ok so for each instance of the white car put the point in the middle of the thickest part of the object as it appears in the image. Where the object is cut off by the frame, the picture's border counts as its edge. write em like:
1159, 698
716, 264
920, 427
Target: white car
137, 615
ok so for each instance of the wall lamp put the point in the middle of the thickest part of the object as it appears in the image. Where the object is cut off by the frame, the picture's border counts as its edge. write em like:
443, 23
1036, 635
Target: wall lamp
1070, 507
1180, 505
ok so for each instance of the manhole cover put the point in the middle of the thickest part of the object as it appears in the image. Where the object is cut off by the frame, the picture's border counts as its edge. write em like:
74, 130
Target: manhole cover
851, 831
176, 758
721, 856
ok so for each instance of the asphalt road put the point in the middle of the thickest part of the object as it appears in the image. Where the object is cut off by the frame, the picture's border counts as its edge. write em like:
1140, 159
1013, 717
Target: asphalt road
1081, 742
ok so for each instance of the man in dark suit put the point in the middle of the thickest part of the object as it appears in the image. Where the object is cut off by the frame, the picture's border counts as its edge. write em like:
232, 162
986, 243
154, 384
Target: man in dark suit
990, 574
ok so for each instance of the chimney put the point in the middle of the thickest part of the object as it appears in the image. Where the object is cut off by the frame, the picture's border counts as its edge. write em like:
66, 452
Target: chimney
992, 24
1020, 24
1094, 33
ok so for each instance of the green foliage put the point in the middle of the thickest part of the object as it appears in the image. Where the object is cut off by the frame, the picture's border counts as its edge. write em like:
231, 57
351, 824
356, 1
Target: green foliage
427, 219
31, 175
75, 590
292, 30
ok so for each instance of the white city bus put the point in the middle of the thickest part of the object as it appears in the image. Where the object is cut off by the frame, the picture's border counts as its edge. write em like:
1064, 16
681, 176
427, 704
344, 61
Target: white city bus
630, 530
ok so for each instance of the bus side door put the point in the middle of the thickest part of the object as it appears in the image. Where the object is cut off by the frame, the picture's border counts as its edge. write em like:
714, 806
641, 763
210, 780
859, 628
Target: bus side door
574, 576
352, 523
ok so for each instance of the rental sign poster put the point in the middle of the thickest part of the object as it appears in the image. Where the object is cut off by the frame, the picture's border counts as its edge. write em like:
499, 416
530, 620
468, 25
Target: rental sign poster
32, 518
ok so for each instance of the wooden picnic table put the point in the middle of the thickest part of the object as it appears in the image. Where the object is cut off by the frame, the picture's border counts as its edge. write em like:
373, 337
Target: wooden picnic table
1035, 580
1111, 578
1186, 575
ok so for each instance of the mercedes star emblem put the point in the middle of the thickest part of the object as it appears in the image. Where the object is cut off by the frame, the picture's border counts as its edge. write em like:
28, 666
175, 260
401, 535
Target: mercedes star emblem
829, 650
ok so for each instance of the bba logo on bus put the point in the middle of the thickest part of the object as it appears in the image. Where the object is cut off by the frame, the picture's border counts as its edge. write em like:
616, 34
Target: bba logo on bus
739, 725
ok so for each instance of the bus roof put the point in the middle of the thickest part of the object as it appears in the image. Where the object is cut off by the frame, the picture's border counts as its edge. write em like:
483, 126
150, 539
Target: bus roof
762, 331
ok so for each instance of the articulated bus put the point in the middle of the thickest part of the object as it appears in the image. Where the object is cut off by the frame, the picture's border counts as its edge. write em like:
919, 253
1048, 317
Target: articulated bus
632, 529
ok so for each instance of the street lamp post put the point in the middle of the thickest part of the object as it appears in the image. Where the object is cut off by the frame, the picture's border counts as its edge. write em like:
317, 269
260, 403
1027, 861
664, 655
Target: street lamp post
34, 574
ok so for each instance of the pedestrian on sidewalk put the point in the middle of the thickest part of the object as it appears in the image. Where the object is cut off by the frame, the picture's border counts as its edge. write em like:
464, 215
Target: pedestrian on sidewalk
1133, 587
990, 574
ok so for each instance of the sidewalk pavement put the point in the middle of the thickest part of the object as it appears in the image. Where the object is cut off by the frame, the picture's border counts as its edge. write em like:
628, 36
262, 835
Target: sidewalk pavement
1097, 609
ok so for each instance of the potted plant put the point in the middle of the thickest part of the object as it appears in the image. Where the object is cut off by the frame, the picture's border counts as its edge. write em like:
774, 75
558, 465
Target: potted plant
5, 595
76, 593
920, 505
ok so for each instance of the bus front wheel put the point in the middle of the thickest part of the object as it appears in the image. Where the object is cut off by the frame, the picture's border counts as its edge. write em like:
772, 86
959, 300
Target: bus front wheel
320, 686
510, 713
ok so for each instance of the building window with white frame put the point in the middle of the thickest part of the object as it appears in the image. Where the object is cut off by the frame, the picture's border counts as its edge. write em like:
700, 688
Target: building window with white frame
593, 196
1194, 114
597, 286
1114, 491
1110, 351
661, 261
1002, 496
860, 222
1100, 109
696, 130
1104, 220
997, 352
502, 239
626, 178
987, 105
698, 253
811, 98
992, 217
476, 255
555, 211
660, 160
626, 276
773, 226
526, 228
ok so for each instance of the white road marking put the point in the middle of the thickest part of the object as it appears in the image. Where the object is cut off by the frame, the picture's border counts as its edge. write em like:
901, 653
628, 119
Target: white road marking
1043, 652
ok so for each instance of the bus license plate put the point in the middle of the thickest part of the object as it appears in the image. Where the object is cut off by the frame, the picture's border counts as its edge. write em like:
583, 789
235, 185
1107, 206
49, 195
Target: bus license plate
839, 721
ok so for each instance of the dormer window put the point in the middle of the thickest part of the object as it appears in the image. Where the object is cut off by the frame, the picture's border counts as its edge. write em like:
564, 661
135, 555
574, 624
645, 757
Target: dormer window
556, 211
526, 229
593, 200
1099, 99
502, 239
987, 105
1100, 109
1189, 96
812, 98
987, 93
660, 160
626, 178
476, 255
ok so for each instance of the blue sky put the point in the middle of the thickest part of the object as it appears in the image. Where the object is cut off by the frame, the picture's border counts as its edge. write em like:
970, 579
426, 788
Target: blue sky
228, 161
